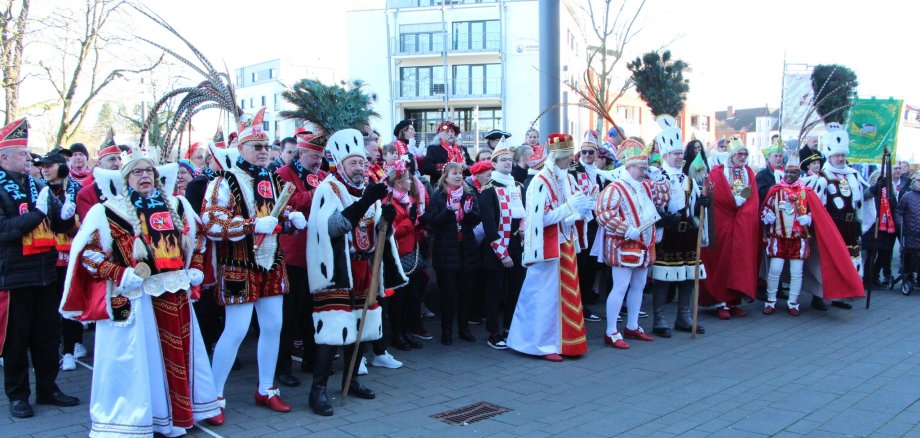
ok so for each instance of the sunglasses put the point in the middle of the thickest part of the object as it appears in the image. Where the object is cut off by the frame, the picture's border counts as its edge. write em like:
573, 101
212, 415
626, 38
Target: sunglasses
261, 147
587, 152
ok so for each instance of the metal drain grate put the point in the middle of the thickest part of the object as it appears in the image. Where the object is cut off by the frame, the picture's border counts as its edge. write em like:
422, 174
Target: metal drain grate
470, 414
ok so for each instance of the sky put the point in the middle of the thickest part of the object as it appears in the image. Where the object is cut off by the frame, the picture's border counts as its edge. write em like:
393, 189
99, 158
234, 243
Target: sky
735, 48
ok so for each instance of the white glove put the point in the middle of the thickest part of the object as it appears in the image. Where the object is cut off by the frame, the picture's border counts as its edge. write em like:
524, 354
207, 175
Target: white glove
93, 256
130, 280
195, 276
768, 217
739, 200
68, 210
41, 203
804, 220
265, 225
632, 233
577, 201
297, 220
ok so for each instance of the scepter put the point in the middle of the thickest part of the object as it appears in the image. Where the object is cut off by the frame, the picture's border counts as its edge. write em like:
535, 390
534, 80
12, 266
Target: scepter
868, 267
370, 299
696, 263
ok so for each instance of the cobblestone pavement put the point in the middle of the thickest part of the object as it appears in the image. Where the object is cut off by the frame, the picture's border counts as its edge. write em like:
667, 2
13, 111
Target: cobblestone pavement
840, 372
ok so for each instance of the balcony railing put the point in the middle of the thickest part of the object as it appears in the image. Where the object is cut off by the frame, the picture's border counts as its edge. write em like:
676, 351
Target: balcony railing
477, 43
462, 88
427, 44
396, 4
417, 44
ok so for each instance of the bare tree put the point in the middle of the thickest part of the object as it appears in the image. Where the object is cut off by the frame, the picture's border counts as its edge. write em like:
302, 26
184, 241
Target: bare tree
613, 26
11, 45
89, 54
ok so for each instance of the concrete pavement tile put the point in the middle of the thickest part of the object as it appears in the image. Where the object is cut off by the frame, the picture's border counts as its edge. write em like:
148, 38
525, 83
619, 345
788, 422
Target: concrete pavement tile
856, 422
768, 421
894, 428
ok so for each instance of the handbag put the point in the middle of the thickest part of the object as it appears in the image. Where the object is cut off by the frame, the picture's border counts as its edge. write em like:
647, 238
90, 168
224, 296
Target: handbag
412, 261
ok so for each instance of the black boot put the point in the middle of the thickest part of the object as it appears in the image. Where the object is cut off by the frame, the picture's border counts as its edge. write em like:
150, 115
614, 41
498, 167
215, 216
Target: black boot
322, 365
399, 342
818, 304
356, 388
447, 337
466, 334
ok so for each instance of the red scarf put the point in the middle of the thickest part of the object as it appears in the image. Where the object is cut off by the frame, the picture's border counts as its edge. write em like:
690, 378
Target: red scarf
885, 224
454, 154
454, 196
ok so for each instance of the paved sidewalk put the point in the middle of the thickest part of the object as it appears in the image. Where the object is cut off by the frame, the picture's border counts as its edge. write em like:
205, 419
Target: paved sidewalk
829, 373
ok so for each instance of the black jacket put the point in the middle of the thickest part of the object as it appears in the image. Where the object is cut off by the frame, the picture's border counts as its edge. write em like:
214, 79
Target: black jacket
765, 180
435, 156
18, 270
491, 221
195, 190
449, 252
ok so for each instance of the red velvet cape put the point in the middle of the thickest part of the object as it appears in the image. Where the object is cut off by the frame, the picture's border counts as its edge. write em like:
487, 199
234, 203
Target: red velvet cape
732, 264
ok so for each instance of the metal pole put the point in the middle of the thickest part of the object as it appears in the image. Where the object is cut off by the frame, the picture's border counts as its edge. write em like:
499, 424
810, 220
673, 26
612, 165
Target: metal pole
549, 63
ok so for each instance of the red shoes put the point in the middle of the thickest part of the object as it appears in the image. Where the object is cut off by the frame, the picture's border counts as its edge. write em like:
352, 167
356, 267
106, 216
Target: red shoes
637, 334
728, 312
616, 341
218, 420
553, 357
272, 400
769, 307
793, 309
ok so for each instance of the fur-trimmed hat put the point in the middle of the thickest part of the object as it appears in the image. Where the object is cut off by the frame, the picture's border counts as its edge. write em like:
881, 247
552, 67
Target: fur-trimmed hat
345, 144
836, 141
669, 138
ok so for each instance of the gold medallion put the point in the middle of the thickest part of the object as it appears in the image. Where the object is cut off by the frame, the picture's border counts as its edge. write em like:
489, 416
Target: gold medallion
142, 270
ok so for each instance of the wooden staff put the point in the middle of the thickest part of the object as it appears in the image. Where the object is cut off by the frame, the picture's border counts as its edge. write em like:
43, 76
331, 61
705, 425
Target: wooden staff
369, 300
696, 263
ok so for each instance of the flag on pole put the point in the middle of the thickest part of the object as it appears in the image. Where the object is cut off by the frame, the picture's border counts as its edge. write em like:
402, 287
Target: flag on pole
872, 124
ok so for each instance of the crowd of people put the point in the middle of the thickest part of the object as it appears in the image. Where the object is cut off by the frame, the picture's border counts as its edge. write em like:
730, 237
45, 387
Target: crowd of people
170, 260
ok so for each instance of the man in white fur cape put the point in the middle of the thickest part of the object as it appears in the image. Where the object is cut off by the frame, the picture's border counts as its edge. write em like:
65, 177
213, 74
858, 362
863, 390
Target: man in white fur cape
548, 319
341, 240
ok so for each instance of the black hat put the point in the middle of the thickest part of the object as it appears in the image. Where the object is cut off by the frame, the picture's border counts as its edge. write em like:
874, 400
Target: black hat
78, 147
496, 134
808, 155
400, 126
35, 158
52, 158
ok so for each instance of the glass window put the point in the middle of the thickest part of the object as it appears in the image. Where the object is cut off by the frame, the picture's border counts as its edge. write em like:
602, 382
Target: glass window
426, 122
263, 100
265, 125
422, 81
475, 35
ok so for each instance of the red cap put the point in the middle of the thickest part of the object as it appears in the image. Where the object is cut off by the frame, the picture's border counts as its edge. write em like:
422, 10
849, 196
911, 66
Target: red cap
480, 167
305, 141
15, 134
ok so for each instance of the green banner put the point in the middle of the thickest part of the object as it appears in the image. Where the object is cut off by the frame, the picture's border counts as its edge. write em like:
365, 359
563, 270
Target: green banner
872, 125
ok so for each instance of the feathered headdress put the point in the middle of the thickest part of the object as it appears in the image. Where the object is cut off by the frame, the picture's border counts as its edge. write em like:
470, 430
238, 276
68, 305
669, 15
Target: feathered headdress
660, 82
331, 108
214, 92
834, 88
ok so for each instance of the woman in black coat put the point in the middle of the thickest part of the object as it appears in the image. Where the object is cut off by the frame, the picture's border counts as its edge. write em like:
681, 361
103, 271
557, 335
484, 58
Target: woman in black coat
451, 216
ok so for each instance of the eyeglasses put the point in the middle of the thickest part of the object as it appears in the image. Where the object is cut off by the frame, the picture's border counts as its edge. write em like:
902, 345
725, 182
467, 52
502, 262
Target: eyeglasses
140, 172
260, 147
587, 151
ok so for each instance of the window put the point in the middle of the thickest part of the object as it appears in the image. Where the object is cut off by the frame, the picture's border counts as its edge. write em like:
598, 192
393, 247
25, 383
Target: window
255, 76
476, 35
627, 113
243, 103
476, 80
271, 73
422, 3
421, 38
423, 81
263, 100
276, 102
276, 127
251, 105
265, 125
426, 122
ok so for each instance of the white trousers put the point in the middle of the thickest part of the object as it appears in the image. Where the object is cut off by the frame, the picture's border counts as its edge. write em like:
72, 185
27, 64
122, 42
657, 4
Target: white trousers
269, 312
795, 278
627, 283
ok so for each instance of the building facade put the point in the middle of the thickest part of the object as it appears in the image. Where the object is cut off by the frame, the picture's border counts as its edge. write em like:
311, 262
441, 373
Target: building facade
260, 85
475, 62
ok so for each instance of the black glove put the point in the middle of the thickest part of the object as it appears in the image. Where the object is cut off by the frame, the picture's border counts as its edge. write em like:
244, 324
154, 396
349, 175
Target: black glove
413, 212
388, 213
703, 201
372, 194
